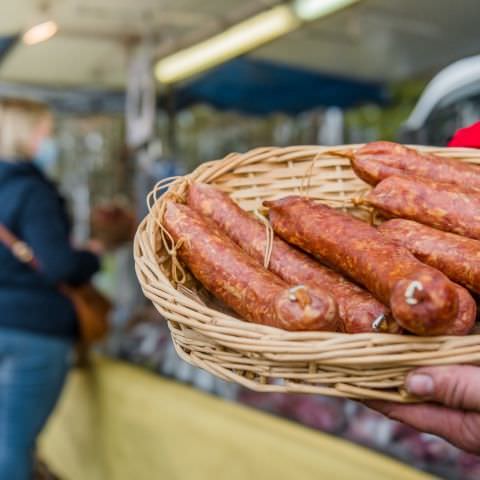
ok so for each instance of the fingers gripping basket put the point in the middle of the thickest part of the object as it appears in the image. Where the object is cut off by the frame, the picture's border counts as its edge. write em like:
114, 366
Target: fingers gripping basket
264, 358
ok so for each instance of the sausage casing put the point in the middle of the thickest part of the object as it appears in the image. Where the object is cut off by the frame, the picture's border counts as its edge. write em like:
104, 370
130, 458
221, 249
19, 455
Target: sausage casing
421, 298
466, 316
457, 257
376, 161
446, 207
230, 274
357, 308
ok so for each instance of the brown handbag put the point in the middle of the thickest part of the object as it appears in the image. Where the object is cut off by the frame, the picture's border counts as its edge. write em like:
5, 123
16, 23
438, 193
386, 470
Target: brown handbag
91, 306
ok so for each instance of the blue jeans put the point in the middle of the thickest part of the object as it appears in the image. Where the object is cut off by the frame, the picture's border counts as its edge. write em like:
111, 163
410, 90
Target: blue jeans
32, 373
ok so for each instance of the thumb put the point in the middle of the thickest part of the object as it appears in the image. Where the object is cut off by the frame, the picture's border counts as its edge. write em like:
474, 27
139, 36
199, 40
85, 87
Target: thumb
454, 386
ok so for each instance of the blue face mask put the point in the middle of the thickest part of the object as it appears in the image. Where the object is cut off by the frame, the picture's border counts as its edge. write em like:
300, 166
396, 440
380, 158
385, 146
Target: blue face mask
46, 157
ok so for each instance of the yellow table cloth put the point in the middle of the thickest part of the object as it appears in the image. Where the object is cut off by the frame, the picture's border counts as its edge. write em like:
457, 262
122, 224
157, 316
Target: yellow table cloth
120, 422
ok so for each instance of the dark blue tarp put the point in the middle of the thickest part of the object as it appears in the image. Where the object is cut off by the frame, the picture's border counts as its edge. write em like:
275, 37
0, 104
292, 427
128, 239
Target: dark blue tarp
259, 87
244, 85
6, 43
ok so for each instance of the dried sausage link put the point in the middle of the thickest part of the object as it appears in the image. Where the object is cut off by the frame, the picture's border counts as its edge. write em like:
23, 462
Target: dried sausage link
376, 161
256, 294
442, 206
456, 256
422, 299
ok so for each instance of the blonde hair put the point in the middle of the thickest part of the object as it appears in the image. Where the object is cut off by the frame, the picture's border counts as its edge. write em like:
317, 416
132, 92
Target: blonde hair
18, 120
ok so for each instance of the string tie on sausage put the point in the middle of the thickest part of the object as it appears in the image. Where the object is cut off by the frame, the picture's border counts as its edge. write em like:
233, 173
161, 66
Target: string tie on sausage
177, 271
166, 183
410, 291
177, 187
359, 200
269, 236
306, 182
178, 274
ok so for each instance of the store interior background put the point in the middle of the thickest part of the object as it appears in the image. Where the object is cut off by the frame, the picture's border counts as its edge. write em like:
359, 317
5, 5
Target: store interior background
352, 76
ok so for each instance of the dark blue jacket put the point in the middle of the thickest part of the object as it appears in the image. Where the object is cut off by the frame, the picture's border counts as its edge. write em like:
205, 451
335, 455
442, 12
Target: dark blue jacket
32, 209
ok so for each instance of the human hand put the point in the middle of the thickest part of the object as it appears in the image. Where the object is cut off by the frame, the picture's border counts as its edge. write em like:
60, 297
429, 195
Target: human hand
453, 408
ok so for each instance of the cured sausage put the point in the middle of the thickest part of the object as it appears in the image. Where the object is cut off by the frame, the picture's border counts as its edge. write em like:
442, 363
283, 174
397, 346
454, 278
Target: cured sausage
376, 161
446, 207
422, 299
466, 316
358, 309
256, 294
457, 257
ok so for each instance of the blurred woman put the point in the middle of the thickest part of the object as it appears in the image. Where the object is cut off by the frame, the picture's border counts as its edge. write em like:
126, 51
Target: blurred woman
38, 325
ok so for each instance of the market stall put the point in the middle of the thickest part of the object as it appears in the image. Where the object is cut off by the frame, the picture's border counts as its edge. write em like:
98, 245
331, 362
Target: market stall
128, 117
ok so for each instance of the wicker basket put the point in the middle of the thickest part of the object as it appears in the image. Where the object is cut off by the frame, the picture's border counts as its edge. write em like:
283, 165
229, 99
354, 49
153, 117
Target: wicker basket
263, 358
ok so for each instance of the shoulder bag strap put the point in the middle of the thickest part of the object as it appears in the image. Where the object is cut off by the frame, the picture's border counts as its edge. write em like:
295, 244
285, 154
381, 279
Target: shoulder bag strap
19, 249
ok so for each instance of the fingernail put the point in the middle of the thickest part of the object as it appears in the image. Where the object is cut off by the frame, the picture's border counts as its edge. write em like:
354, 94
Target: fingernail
420, 384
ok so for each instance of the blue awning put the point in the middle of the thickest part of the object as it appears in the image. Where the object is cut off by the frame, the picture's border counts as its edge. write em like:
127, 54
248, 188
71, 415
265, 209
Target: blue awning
245, 85
259, 87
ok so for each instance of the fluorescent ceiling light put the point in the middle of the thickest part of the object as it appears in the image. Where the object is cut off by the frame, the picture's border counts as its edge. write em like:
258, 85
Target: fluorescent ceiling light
312, 9
40, 33
235, 41
243, 37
